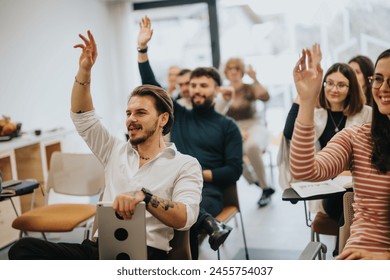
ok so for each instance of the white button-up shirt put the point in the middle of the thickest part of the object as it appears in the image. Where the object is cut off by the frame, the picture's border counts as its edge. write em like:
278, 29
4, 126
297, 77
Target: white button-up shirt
170, 175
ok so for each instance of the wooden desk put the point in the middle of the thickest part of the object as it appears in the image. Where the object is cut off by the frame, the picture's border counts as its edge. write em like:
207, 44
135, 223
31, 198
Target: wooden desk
26, 157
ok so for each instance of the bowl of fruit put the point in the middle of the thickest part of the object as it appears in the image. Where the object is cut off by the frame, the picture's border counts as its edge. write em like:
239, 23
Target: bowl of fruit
9, 129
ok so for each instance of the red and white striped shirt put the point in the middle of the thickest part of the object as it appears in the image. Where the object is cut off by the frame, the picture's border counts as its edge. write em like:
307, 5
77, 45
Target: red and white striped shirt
350, 149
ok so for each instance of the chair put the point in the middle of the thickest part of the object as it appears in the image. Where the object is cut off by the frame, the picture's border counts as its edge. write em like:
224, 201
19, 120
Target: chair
348, 200
323, 224
317, 249
69, 174
180, 244
230, 210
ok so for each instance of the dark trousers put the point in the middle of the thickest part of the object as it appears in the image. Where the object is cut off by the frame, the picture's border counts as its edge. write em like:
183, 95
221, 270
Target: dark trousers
211, 205
29, 248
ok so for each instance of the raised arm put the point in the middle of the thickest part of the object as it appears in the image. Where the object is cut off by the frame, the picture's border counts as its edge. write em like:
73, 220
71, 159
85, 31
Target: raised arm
307, 79
81, 100
260, 91
144, 36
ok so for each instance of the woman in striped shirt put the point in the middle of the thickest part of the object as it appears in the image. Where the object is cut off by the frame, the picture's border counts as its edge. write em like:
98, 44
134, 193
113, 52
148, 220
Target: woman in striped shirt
364, 150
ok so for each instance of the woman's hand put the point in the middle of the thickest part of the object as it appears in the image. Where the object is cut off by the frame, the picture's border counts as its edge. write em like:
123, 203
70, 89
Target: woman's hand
360, 254
251, 72
89, 52
308, 75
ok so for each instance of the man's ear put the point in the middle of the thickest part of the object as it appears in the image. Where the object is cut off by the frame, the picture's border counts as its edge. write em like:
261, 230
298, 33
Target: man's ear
164, 117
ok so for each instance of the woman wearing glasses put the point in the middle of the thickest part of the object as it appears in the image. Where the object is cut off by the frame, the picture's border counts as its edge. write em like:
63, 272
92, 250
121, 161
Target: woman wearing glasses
254, 133
362, 149
341, 103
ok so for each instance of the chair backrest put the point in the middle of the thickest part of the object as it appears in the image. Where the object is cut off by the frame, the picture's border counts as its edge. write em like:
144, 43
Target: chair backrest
180, 244
75, 174
230, 196
348, 200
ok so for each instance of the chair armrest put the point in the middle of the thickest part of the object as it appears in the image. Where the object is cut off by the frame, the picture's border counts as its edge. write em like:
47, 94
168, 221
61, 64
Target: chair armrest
312, 250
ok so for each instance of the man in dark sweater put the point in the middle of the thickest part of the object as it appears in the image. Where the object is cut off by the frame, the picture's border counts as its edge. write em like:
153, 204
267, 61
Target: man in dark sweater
213, 139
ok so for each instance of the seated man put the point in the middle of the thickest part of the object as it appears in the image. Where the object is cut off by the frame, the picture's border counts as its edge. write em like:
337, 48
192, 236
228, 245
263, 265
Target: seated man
212, 138
173, 198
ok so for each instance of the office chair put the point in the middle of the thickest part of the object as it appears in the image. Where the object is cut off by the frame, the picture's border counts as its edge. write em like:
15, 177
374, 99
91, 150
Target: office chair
69, 174
230, 210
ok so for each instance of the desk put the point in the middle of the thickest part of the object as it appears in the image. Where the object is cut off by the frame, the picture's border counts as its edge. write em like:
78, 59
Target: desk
8, 214
291, 195
26, 157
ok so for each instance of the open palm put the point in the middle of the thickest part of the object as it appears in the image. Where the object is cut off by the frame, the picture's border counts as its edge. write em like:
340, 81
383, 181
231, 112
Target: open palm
308, 74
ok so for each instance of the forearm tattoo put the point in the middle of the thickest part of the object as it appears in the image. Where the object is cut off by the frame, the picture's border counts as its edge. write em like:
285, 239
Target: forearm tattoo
163, 203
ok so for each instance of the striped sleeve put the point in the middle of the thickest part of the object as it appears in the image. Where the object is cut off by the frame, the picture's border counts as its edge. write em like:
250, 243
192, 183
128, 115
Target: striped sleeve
333, 159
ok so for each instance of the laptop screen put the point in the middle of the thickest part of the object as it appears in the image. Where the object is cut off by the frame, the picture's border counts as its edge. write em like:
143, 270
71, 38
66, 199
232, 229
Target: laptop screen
121, 239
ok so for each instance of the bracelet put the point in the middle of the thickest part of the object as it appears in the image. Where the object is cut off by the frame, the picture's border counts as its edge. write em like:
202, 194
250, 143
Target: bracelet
80, 83
145, 50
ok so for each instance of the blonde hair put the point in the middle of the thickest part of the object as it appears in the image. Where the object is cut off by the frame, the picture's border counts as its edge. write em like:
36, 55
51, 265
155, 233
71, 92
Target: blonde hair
237, 62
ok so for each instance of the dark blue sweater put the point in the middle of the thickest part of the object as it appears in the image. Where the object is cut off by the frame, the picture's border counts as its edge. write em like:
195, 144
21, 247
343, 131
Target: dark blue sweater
213, 139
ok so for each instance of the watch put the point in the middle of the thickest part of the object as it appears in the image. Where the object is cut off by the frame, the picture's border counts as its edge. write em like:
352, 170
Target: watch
144, 50
148, 195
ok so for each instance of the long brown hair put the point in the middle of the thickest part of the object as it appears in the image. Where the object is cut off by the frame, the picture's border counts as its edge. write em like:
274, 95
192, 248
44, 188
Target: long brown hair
380, 131
355, 100
367, 68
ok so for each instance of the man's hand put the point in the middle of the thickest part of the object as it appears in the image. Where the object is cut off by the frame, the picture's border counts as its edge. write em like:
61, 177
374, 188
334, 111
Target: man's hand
145, 32
89, 53
125, 204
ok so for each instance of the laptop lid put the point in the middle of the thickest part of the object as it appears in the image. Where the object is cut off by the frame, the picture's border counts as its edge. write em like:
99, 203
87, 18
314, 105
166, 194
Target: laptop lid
121, 239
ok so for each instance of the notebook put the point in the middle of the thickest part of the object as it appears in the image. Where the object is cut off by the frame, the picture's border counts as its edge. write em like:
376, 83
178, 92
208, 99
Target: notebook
121, 239
308, 189
20, 187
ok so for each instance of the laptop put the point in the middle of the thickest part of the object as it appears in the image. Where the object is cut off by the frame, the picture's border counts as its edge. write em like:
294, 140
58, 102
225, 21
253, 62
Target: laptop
121, 239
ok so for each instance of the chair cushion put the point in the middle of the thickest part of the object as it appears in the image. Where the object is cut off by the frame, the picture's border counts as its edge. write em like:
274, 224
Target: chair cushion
54, 218
322, 224
227, 214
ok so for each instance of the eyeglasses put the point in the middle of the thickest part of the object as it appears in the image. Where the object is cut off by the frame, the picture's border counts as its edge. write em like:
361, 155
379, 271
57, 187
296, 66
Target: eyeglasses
233, 68
376, 81
339, 86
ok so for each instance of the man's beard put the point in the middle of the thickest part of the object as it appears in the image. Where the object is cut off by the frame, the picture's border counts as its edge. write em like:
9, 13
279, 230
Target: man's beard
208, 103
149, 133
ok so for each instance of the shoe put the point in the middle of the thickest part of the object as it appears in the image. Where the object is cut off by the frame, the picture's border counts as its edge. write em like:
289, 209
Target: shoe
217, 231
265, 198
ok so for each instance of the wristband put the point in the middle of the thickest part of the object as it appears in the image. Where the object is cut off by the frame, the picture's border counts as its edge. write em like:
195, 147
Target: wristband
144, 50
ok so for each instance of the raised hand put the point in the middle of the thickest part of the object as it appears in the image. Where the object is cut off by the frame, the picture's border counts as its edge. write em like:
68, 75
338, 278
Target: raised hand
89, 52
145, 32
308, 74
251, 72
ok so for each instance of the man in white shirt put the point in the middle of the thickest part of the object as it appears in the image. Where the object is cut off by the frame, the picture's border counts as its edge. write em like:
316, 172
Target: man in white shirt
143, 169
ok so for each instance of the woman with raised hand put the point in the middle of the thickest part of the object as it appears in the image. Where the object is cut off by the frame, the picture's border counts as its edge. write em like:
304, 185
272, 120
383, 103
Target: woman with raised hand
362, 149
341, 103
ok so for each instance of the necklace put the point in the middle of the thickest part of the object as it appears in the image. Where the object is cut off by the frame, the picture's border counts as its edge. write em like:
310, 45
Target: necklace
144, 158
336, 126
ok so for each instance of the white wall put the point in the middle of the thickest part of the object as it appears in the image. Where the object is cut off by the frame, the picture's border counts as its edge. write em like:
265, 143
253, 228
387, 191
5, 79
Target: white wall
38, 62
